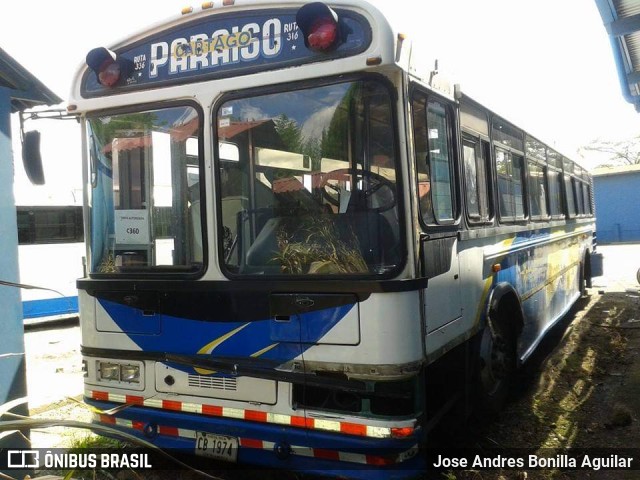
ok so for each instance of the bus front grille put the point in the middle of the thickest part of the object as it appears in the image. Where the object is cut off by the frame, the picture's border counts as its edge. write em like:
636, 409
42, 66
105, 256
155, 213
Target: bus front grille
216, 383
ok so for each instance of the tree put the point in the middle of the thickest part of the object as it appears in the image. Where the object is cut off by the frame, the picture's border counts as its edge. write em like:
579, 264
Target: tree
619, 152
289, 132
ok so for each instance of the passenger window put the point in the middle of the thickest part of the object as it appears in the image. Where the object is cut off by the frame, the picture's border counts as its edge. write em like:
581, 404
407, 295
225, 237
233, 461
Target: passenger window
510, 185
537, 191
476, 181
570, 196
555, 194
577, 186
587, 198
434, 157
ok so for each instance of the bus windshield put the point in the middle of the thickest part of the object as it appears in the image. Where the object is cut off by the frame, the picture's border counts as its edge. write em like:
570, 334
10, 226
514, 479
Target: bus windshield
307, 182
145, 196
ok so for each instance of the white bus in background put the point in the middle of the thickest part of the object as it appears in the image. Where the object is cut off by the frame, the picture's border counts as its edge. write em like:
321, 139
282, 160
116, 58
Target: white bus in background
51, 249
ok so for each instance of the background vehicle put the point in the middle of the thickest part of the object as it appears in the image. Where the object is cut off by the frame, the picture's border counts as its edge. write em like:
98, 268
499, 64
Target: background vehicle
51, 249
292, 227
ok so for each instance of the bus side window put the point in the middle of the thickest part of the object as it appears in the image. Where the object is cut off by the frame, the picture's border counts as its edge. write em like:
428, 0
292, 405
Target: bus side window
434, 157
509, 167
476, 181
537, 191
555, 194
570, 197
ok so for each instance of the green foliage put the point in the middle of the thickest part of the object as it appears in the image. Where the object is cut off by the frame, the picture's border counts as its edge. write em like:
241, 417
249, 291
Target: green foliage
121, 126
290, 133
94, 441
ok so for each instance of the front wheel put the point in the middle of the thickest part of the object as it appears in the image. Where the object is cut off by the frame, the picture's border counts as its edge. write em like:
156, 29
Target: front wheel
496, 364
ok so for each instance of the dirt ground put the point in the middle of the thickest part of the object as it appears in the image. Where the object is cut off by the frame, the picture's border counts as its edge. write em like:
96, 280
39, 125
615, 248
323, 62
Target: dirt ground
580, 391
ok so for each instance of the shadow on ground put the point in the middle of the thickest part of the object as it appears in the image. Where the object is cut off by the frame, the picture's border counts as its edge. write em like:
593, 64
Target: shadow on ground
579, 390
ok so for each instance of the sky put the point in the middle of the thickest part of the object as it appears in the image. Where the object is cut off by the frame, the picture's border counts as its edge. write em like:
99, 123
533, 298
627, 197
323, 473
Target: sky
545, 65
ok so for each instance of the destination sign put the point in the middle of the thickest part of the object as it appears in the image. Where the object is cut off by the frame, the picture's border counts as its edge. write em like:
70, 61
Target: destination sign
226, 45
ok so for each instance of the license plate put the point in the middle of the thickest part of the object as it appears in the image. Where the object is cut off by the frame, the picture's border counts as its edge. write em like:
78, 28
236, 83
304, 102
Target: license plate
219, 447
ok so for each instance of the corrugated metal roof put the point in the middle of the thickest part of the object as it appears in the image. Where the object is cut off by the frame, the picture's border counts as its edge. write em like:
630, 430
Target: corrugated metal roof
622, 20
26, 90
626, 8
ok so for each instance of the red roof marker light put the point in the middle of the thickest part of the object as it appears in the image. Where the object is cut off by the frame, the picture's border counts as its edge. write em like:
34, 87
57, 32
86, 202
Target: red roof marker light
107, 66
320, 27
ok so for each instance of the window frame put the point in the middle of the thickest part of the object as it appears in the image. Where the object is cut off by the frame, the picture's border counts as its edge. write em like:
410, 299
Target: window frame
297, 86
568, 181
452, 146
536, 163
560, 190
27, 234
162, 271
482, 156
504, 219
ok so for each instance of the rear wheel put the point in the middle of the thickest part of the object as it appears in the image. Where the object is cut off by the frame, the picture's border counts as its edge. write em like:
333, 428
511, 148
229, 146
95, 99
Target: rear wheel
582, 280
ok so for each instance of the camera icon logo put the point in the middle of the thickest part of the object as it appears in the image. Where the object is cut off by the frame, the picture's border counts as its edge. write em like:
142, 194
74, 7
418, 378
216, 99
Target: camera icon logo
23, 459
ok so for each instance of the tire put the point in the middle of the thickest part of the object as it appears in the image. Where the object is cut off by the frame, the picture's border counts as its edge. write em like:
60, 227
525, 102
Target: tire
495, 367
583, 282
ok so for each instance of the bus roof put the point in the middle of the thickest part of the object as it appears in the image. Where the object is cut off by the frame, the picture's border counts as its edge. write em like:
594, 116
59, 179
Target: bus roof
248, 37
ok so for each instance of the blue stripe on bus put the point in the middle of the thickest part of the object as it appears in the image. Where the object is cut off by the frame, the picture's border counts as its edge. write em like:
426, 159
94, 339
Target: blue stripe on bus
266, 338
49, 307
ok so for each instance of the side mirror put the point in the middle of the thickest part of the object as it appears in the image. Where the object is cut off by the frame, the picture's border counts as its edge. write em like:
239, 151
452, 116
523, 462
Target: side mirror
31, 158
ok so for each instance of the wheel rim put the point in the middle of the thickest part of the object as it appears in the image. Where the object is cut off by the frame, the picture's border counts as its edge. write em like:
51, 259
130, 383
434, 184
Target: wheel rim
496, 358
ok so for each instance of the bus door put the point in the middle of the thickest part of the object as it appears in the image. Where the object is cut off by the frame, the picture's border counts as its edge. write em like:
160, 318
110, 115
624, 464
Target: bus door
442, 298
435, 167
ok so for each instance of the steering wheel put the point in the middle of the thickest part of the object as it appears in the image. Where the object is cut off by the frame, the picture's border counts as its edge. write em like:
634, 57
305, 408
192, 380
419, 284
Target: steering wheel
375, 182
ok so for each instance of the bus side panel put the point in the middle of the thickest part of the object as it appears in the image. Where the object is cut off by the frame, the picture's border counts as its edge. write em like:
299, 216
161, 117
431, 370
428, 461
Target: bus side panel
555, 266
543, 267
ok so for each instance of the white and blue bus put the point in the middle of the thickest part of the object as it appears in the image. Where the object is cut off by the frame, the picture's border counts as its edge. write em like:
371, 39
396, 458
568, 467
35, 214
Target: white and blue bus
51, 250
293, 229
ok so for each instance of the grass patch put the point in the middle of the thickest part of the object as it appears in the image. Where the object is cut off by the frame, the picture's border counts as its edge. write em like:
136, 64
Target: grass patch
95, 441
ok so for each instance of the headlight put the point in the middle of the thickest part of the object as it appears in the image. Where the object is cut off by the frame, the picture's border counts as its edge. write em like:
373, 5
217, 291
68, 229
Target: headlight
118, 372
109, 371
130, 373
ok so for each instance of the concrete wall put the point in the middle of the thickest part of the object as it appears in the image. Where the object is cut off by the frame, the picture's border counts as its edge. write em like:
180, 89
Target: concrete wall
12, 358
618, 207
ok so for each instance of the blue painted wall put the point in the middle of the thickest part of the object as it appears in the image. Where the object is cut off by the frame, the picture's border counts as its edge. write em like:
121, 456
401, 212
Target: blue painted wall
618, 207
12, 357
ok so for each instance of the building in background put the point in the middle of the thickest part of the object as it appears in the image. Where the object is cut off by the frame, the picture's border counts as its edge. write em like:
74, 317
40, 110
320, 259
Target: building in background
617, 196
19, 90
